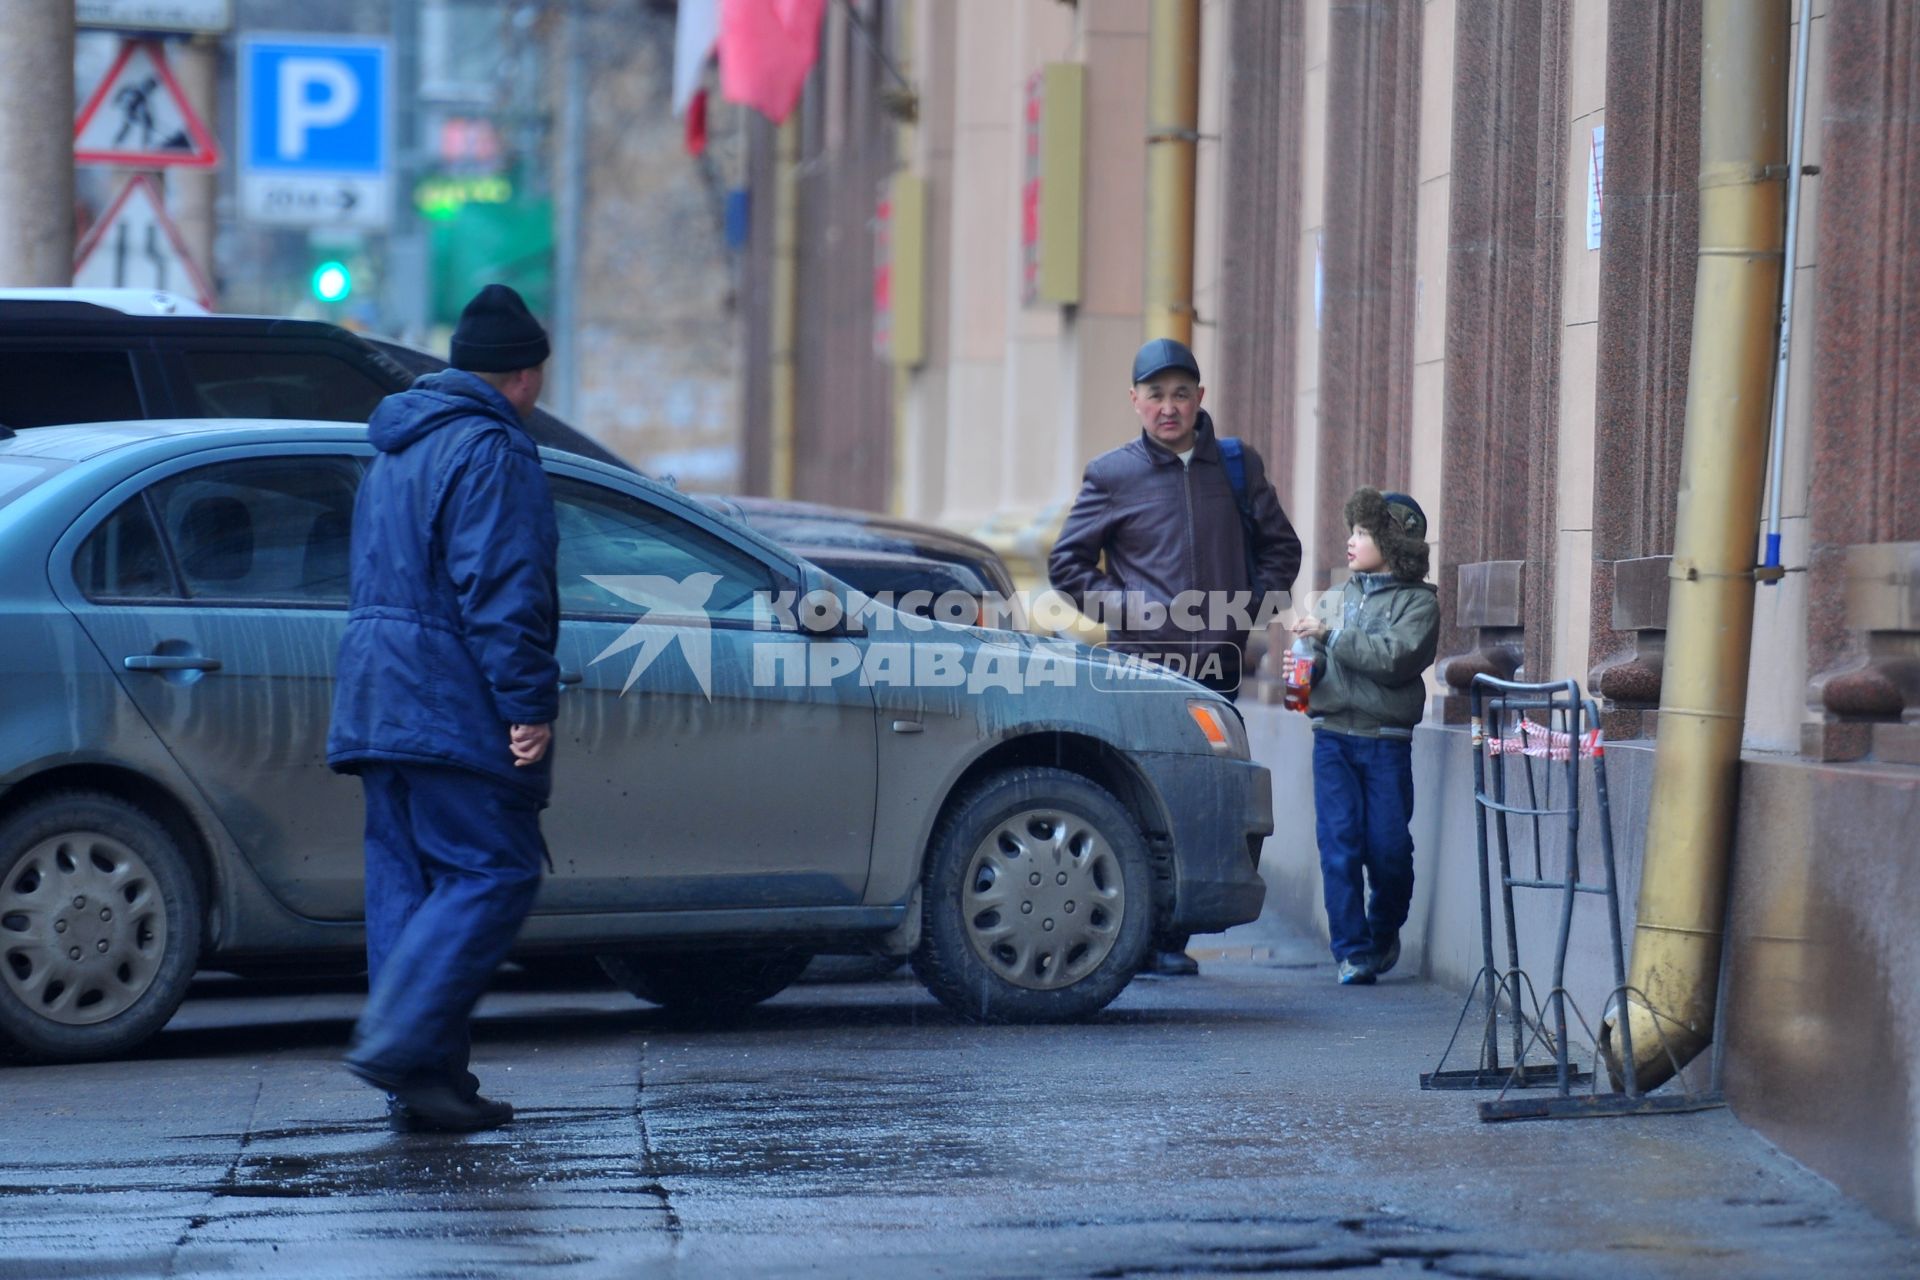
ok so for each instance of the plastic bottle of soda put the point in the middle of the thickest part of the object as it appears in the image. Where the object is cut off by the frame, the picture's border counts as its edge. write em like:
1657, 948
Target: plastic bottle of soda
1299, 674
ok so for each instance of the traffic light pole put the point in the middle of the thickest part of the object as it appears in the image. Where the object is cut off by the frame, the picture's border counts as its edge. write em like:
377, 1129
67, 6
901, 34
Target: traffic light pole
36, 142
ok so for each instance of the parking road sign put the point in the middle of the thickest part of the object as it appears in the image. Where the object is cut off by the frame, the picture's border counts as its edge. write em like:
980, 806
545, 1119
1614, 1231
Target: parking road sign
314, 132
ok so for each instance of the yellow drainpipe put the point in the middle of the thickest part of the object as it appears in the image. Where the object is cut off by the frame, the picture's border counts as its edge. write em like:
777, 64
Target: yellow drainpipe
1173, 130
1743, 151
784, 301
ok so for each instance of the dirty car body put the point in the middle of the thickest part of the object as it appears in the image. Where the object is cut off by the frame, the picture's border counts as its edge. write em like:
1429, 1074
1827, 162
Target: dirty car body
736, 786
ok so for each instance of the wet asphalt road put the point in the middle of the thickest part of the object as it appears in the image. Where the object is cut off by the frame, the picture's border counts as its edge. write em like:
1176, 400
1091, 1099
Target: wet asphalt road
1255, 1121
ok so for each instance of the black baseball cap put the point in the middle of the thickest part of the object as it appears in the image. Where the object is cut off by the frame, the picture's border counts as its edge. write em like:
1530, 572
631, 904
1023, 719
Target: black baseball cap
1162, 354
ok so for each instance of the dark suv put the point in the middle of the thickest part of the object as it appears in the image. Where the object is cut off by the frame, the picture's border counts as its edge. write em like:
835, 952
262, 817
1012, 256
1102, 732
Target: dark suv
109, 355
64, 360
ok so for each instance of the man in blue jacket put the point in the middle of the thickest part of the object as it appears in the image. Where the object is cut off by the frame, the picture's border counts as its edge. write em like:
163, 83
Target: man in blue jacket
444, 701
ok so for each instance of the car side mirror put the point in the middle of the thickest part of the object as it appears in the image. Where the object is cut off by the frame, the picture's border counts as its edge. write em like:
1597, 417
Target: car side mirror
825, 611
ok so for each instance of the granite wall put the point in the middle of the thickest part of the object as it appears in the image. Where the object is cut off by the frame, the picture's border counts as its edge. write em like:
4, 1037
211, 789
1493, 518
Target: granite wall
1505, 267
1253, 394
1647, 255
1863, 635
1367, 287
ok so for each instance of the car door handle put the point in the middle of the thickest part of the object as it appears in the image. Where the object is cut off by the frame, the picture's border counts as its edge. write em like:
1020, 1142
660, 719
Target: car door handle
570, 678
909, 726
169, 662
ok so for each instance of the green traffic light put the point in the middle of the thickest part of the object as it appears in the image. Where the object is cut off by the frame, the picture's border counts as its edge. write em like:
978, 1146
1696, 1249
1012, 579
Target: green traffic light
332, 282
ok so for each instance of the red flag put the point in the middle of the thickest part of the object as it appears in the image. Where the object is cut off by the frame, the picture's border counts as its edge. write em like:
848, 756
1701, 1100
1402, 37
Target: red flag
697, 123
767, 48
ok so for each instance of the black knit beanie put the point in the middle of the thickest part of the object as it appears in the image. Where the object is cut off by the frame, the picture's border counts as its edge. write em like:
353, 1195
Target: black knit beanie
497, 334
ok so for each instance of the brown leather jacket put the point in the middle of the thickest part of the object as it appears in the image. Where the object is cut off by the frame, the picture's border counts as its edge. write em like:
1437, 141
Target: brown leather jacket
1165, 528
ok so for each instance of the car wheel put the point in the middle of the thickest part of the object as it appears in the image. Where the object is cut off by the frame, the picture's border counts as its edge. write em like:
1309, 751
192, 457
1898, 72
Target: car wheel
99, 927
1038, 902
710, 984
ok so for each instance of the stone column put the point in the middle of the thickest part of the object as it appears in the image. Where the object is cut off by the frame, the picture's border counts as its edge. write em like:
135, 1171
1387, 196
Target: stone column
1499, 491
1862, 623
1647, 257
1366, 341
1490, 604
1872, 704
1628, 682
843, 430
36, 142
1252, 394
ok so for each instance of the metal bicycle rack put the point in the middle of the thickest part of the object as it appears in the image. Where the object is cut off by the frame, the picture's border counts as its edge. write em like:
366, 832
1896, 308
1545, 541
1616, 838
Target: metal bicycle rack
1551, 724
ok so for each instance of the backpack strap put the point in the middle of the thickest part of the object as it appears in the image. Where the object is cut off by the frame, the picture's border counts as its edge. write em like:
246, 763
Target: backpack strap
1233, 460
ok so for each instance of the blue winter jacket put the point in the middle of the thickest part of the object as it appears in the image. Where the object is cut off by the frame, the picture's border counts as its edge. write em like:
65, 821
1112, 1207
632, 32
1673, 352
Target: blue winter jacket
455, 610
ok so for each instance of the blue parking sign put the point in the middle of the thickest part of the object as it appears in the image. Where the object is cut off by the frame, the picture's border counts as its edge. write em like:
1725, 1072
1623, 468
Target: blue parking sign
314, 130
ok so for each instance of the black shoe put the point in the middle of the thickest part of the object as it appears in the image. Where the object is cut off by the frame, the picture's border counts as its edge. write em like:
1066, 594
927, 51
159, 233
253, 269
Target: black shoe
1357, 972
439, 1108
431, 1105
1388, 956
485, 1114
1171, 964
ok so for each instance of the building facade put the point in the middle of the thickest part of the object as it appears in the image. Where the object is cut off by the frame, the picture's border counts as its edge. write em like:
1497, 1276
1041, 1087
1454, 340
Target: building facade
1445, 246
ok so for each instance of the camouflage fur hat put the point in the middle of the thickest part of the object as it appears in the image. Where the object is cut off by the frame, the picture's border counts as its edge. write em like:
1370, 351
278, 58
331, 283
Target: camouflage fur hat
1399, 529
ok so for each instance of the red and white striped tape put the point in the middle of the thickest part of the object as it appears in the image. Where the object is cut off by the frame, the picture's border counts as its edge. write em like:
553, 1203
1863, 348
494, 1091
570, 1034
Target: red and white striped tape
1543, 743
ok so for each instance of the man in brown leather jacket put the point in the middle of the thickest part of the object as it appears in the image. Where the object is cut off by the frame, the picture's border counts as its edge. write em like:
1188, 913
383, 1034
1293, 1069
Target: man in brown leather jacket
1162, 511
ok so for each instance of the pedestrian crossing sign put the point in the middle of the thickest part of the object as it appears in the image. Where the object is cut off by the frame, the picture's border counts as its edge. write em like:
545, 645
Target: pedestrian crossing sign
138, 116
137, 246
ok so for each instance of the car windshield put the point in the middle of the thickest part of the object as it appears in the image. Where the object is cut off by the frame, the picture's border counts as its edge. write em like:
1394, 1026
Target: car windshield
17, 475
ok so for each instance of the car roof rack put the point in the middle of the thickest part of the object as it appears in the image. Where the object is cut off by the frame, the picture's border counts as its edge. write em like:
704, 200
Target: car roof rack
125, 302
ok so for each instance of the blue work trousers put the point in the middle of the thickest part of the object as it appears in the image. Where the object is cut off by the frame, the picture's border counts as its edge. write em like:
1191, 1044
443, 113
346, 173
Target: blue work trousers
1363, 805
453, 863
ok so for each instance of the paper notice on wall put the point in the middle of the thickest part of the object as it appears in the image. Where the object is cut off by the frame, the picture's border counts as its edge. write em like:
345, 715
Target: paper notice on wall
1596, 184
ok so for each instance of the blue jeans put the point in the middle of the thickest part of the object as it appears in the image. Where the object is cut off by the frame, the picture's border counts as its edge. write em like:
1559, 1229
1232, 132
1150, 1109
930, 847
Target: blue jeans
453, 862
1363, 803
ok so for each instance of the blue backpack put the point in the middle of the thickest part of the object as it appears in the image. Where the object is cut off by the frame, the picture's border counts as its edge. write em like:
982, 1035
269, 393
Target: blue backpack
1234, 459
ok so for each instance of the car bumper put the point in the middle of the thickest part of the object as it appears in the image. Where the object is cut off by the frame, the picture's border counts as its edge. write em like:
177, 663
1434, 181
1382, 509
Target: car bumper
1219, 813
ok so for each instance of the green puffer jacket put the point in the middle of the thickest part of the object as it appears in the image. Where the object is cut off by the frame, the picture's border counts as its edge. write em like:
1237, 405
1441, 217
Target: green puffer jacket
1368, 668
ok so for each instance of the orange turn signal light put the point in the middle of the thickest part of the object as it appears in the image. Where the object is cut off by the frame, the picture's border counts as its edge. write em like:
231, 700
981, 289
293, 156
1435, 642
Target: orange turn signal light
1209, 721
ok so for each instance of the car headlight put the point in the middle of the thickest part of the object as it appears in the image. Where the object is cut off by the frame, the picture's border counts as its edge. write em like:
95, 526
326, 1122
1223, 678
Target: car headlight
1221, 727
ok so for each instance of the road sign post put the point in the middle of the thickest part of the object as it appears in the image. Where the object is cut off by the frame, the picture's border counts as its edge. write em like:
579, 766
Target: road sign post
315, 138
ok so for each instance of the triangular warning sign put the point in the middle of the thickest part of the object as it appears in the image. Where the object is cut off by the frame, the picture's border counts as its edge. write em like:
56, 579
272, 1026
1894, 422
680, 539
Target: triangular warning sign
138, 116
136, 246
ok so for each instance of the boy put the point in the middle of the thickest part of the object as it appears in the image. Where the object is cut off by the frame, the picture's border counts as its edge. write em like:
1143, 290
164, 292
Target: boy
1367, 696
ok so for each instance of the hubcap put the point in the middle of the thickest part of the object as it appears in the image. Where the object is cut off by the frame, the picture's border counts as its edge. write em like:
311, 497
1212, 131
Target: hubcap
1043, 899
82, 928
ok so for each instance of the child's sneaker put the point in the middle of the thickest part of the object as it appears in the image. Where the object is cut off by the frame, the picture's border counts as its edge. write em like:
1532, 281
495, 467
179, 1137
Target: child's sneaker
1389, 956
1356, 973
